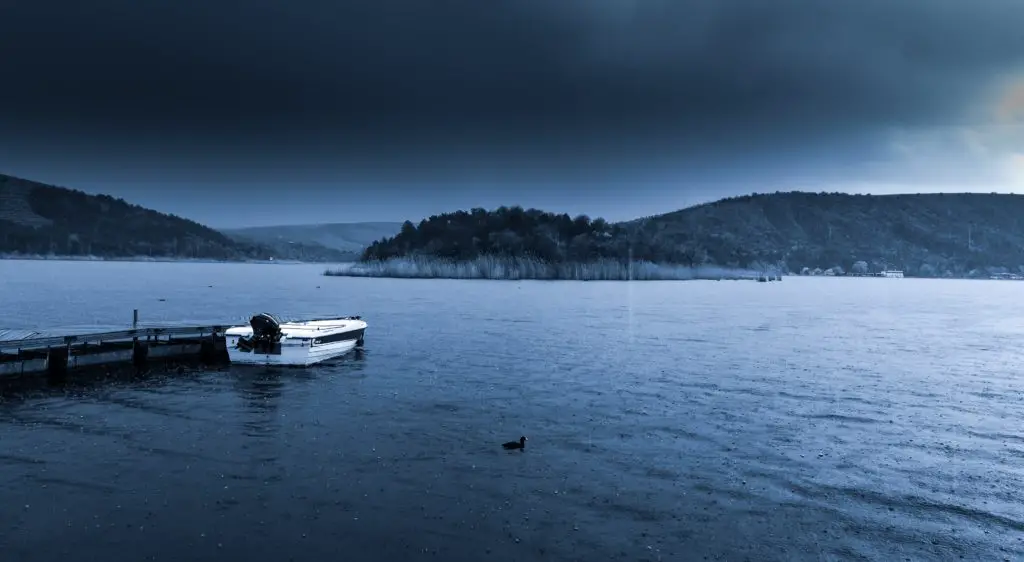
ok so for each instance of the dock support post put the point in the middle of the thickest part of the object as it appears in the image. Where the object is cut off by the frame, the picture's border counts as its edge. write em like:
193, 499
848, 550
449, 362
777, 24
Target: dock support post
140, 354
208, 350
57, 363
135, 319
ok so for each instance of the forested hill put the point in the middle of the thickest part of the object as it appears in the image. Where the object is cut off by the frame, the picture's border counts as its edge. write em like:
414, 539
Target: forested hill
939, 234
923, 234
40, 219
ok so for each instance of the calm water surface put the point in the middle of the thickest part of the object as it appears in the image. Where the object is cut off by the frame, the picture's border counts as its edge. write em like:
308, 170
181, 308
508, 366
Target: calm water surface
813, 419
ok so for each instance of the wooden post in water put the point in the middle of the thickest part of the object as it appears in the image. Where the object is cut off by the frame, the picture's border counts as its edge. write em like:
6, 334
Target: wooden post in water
140, 350
208, 350
57, 362
140, 355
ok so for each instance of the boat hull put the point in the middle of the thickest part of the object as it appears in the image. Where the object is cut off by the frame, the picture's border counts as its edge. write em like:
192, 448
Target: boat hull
292, 355
299, 344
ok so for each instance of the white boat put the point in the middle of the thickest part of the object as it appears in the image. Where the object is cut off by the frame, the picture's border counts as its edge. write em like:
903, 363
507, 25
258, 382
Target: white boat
266, 341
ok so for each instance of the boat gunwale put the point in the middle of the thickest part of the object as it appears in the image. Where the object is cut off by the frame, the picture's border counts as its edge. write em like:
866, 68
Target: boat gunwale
302, 330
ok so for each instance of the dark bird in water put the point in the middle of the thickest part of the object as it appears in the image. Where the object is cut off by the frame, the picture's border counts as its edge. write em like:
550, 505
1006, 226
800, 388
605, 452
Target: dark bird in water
521, 444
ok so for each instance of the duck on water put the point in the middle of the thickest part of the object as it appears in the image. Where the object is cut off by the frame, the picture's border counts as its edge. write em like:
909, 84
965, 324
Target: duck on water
521, 444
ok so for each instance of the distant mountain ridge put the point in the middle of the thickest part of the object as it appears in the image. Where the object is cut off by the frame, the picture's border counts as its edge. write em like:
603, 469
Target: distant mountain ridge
41, 219
350, 238
37, 219
929, 235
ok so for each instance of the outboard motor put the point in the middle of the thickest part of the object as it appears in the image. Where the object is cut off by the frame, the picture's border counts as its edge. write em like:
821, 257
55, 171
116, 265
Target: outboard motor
266, 335
265, 326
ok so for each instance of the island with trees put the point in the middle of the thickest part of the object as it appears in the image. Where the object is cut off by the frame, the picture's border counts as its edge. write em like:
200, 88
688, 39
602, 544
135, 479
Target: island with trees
923, 235
517, 243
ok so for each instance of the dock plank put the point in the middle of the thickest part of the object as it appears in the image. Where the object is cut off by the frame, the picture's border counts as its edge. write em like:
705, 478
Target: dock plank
45, 342
10, 335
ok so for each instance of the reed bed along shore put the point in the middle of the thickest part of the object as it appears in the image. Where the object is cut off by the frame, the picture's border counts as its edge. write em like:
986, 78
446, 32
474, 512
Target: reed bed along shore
504, 268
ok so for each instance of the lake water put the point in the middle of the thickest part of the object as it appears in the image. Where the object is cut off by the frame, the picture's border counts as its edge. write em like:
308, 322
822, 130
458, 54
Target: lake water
813, 419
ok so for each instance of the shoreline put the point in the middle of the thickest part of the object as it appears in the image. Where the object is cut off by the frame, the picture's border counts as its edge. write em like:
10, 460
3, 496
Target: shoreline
522, 269
495, 269
147, 259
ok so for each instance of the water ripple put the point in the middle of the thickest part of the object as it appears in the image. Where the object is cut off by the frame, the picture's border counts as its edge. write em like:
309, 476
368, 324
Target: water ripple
728, 421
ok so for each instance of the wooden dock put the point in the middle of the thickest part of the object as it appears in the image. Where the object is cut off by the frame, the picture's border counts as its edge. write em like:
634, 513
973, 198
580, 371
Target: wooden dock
56, 356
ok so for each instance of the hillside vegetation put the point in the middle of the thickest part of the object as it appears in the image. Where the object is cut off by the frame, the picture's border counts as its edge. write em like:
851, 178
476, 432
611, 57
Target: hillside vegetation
928, 235
925, 235
39, 219
513, 243
931, 235
507, 231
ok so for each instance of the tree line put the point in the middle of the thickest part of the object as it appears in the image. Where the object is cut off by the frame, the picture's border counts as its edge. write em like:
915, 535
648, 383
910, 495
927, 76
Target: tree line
923, 234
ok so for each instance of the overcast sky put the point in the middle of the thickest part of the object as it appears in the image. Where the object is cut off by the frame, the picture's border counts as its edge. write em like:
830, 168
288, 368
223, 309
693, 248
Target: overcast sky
261, 112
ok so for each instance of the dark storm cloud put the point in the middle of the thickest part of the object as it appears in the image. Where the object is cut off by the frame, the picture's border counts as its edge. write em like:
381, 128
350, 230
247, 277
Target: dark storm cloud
522, 77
